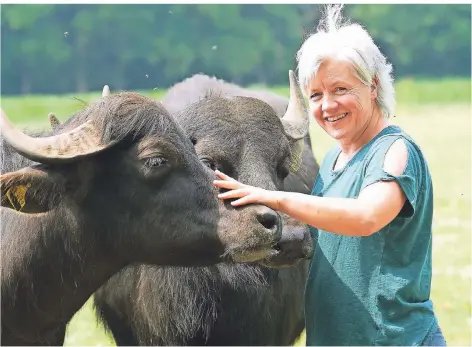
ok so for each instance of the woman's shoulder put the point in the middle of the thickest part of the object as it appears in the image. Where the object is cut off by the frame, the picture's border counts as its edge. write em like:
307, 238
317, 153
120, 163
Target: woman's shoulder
384, 141
398, 153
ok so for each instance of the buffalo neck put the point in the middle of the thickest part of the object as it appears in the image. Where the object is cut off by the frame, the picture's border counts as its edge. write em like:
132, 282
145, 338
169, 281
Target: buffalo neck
51, 265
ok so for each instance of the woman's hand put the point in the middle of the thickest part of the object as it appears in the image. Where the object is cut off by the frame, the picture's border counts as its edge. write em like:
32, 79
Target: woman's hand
246, 194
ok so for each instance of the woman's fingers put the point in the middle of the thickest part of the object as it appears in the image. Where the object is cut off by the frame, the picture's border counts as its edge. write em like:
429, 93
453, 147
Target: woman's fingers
236, 190
223, 176
248, 199
245, 197
228, 184
233, 194
226, 181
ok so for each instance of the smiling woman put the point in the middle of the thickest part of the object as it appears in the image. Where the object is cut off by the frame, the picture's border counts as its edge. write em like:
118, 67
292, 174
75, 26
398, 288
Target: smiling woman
341, 104
371, 204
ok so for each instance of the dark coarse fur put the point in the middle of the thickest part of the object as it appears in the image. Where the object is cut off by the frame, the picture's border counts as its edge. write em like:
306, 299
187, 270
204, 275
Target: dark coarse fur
223, 304
199, 86
101, 213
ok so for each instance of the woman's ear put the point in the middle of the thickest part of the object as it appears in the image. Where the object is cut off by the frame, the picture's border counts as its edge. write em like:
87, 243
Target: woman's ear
374, 88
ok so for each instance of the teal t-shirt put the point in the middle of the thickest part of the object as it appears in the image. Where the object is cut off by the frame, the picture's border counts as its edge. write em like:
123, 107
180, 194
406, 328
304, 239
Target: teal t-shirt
373, 290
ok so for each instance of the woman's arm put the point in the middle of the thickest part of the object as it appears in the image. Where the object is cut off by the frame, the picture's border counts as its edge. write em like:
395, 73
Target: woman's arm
377, 205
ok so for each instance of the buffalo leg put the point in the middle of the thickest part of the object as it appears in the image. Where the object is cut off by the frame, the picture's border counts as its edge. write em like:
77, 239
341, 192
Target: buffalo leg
119, 327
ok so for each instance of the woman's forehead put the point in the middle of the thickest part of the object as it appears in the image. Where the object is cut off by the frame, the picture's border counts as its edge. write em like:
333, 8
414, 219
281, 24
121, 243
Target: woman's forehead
333, 71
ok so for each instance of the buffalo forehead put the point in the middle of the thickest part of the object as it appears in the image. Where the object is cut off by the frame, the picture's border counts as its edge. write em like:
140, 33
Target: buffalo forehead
253, 111
240, 150
233, 111
235, 138
219, 147
234, 120
230, 125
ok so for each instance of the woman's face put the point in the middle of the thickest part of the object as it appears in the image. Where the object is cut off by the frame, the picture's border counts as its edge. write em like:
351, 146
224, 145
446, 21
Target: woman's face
341, 104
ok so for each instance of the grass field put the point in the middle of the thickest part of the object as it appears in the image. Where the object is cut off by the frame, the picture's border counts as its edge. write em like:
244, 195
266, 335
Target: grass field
440, 121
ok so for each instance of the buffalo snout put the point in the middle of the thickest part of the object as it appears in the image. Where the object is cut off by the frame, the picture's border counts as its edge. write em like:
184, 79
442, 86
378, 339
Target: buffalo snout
295, 244
270, 221
250, 232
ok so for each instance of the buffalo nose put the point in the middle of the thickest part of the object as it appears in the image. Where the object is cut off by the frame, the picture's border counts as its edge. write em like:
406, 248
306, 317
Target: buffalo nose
268, 218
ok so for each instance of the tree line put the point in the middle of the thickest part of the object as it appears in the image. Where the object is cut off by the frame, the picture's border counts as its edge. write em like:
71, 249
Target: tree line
76, 48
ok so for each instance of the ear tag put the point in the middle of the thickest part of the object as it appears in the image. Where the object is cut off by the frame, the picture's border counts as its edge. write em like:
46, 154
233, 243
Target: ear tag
16, 195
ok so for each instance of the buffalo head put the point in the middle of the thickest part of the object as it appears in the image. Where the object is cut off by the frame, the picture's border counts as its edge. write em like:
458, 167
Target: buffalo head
127, 172
244, 137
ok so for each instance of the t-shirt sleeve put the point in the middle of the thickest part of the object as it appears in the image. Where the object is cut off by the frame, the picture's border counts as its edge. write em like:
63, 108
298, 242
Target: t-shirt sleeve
409, 181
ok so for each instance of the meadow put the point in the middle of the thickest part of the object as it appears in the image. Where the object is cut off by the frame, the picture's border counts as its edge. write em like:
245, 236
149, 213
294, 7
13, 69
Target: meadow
437, 113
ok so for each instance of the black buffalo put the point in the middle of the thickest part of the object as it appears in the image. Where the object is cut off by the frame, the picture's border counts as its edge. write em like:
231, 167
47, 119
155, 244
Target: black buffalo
116, 184
235, 131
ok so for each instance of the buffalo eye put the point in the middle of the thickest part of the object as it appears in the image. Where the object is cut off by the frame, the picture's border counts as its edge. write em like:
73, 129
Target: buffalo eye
155, 162
209, 163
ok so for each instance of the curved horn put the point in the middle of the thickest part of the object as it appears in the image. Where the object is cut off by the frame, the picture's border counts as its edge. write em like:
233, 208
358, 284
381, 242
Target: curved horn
79, 142
105, 91
295, 120
53, 121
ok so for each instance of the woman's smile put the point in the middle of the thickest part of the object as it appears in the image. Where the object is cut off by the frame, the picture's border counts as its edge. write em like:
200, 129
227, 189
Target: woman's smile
333, 119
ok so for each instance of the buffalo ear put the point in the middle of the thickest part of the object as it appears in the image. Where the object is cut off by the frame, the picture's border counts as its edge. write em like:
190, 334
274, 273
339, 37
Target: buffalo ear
30, 190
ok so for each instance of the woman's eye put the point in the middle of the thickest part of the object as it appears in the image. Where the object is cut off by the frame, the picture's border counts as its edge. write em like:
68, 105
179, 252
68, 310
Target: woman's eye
315, 96
340, 90
155, 162
210, 164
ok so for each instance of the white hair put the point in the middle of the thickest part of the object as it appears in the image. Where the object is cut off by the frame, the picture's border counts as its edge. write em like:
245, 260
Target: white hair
345, 41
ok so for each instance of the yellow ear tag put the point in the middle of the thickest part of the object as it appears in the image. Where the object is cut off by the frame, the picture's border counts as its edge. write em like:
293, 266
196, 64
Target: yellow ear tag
16, 196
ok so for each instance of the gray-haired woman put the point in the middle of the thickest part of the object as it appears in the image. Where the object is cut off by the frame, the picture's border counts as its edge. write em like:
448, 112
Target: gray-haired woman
371, 206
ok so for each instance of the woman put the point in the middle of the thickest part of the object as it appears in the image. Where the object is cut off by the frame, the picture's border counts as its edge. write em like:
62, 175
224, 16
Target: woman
371, 206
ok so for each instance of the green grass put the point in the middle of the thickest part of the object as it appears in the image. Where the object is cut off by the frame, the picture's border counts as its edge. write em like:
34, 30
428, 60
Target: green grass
442, 129
33, 109
435, 92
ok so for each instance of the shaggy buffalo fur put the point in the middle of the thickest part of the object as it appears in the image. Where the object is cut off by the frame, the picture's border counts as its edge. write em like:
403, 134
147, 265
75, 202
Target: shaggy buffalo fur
223, 304
146, 199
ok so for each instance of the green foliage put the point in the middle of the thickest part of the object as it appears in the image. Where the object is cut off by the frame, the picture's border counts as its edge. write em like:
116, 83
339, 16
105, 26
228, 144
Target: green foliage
66, 48
22, 17
421, 40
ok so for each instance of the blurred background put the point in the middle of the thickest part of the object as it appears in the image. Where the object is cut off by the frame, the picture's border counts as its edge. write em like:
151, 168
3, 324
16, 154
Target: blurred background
76, 48
56, 57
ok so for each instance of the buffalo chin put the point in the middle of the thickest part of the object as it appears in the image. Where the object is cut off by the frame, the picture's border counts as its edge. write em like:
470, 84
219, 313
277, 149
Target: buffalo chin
279, 261
252, 255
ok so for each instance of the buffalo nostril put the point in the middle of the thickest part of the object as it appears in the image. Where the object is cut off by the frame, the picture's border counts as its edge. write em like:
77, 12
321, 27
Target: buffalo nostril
268, 219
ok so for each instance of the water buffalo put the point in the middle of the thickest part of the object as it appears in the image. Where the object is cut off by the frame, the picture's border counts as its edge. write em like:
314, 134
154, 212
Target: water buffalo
118, 183
246, 304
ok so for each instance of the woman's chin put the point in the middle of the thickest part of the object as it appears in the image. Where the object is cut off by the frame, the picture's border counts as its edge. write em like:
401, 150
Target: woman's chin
337, 134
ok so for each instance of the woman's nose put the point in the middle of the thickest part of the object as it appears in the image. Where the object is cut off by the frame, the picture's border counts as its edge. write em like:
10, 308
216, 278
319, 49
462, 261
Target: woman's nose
327, 104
